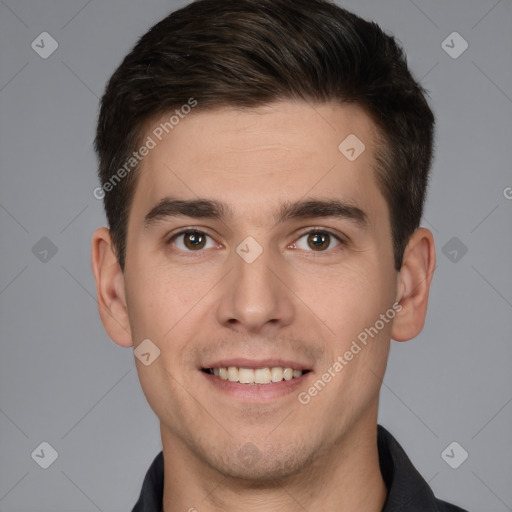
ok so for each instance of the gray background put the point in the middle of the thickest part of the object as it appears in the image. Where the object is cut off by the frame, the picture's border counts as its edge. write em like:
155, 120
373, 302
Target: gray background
64, 382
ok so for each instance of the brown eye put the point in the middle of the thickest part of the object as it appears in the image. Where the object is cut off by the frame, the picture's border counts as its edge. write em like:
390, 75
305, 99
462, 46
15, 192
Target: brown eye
319, 241
194, 240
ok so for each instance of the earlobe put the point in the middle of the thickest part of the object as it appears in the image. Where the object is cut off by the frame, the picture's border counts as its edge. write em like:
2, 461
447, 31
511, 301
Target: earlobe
413, 285
110, 288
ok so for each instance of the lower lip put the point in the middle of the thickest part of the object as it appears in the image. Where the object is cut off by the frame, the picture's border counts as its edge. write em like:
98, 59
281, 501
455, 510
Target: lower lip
257, 392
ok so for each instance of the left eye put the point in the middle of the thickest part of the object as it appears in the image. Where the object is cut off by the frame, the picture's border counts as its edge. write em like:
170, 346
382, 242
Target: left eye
192, 241
317, 241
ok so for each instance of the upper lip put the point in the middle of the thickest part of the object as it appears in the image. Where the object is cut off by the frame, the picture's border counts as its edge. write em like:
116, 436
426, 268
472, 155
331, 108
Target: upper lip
259, 363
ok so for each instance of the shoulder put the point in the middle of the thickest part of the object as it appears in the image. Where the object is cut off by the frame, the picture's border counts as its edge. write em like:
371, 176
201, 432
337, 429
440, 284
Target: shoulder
406, 486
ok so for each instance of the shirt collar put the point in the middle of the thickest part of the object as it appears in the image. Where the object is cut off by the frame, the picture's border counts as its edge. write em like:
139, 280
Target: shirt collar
407, 490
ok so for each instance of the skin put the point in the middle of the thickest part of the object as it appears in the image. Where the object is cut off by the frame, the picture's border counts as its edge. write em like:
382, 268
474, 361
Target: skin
293, 302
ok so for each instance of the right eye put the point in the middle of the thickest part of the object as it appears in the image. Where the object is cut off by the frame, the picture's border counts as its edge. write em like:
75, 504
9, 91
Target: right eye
192, 240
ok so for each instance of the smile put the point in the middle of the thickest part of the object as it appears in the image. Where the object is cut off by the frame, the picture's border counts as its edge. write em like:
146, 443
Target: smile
265, 375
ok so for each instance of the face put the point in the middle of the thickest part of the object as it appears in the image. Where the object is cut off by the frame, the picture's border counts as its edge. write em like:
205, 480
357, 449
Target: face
285, 265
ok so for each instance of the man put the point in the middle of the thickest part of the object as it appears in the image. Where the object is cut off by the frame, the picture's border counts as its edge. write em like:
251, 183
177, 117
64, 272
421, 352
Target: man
263, 166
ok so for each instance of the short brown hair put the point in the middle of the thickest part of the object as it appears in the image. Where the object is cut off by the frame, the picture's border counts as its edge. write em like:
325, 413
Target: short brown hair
247, 53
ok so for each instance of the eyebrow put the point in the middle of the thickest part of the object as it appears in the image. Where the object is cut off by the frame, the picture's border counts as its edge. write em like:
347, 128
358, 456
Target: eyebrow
169, 207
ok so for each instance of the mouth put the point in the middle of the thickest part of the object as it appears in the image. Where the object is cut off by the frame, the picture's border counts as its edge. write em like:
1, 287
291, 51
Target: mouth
256, 376
261, 381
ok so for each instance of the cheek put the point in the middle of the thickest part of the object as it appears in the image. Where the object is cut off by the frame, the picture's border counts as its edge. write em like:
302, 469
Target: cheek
349, 299
159, 298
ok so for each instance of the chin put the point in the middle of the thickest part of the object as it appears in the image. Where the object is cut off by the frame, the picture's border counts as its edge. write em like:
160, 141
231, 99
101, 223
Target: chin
262, 464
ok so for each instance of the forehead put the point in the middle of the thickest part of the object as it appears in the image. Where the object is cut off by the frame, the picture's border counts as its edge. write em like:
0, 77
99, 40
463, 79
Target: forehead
252, 157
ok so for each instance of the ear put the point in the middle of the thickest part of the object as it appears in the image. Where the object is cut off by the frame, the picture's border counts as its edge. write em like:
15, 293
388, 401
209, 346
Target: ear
110, 288
413, 287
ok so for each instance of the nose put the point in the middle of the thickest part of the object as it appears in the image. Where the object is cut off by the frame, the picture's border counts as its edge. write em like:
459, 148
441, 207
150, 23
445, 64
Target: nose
255, 297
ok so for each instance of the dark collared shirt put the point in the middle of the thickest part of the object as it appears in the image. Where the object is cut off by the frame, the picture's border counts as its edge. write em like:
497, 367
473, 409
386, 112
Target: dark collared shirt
407, 490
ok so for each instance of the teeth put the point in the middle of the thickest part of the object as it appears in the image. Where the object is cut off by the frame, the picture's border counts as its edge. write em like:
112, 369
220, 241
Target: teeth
245, 375
255, 376
262, 376
233, 374
277, 374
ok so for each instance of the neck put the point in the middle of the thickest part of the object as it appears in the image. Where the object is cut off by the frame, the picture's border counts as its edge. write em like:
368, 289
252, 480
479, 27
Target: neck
346, 477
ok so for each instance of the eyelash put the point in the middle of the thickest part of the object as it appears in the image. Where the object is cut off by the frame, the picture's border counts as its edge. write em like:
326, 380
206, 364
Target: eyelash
199, 252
